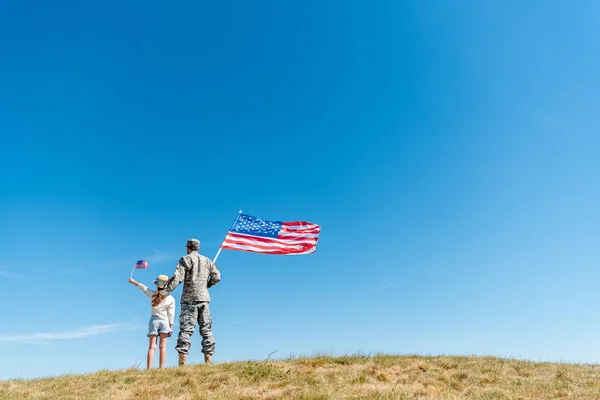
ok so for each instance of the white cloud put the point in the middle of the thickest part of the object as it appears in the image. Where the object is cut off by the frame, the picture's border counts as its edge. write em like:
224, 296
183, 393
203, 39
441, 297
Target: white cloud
47, 338
156, 257
384, 286
546, 120
9, 274
71, 271
160, 256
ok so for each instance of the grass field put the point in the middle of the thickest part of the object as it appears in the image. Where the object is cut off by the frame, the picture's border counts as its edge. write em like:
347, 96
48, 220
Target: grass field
352, 377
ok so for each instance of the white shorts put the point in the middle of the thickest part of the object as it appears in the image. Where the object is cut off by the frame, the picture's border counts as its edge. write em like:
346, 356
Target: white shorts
157, 326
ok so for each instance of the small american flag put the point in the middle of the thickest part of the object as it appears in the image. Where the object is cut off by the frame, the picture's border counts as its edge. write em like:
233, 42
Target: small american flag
141, 264
271, 237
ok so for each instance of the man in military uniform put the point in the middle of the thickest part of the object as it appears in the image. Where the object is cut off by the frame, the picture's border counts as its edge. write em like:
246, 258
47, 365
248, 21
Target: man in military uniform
197, 273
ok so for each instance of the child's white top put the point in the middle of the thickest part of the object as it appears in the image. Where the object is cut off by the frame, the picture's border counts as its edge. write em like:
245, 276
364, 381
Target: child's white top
165, 310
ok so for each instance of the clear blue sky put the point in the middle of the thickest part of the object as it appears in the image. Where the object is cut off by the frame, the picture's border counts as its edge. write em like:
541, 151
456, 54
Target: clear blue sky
449, 150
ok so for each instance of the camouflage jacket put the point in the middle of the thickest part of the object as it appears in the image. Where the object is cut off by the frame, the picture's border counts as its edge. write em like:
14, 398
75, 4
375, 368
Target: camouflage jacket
194, 270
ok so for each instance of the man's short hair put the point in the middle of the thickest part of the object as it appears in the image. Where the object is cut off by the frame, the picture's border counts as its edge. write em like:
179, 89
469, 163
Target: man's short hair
193, 244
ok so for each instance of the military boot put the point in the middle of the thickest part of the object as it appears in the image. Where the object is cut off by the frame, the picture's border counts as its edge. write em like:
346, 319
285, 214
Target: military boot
208, 358
182, 359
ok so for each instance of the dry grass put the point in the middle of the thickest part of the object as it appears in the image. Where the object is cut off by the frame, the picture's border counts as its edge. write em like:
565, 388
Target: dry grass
378, 377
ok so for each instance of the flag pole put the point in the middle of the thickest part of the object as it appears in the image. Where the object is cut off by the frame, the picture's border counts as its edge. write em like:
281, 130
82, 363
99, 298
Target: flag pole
133, 270
221, 248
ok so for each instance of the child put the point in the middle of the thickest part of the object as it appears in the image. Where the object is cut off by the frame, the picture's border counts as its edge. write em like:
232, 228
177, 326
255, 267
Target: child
161, 321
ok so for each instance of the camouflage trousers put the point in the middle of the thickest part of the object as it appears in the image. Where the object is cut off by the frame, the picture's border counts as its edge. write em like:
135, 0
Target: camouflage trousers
190, 314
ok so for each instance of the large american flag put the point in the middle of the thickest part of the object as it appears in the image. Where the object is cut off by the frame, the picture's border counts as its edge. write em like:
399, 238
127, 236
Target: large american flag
271, 237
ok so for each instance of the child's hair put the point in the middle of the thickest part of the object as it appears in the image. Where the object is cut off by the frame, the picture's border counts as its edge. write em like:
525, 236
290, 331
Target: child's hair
157, 297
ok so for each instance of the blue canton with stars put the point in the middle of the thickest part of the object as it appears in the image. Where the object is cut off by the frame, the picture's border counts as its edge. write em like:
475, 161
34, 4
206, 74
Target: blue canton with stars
247, 225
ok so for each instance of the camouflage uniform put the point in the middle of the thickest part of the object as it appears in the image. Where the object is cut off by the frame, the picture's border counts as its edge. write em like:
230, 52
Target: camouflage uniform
190, 313
194, 270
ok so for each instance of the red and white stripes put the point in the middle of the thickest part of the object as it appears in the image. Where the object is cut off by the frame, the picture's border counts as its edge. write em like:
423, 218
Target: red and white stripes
293, 238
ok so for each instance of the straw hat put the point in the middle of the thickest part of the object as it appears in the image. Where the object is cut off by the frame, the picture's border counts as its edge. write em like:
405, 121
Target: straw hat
161, 281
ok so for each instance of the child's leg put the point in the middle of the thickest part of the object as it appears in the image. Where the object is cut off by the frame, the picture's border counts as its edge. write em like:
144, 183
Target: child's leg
151, 348
163, 348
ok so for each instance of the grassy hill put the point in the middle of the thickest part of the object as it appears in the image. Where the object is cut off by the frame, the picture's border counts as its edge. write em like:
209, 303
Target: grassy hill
378, 377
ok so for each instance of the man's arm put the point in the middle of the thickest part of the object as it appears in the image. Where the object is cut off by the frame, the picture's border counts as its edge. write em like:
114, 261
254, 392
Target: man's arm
177, 277
215, 275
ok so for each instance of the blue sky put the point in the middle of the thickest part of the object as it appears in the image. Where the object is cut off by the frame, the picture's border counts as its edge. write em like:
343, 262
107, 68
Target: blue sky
449, 150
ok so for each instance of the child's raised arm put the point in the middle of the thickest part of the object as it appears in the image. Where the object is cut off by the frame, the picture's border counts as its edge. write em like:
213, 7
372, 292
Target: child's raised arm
143, 288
